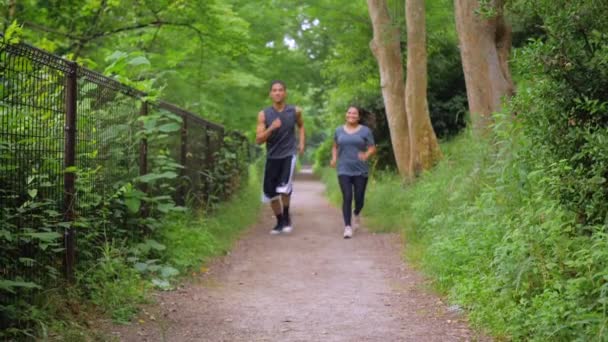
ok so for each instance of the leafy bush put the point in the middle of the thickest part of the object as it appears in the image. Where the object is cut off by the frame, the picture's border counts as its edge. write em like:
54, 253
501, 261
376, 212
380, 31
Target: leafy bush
565, 113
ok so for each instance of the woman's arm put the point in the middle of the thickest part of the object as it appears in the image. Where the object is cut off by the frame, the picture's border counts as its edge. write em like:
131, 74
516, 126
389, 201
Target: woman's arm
371, 150
334, 155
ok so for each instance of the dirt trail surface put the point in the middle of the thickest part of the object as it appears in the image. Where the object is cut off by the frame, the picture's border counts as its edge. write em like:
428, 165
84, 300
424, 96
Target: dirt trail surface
310, 285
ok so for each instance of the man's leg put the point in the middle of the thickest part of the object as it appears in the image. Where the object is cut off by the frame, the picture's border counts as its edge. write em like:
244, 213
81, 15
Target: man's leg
277, 206
285, 199
286, 190
270, 185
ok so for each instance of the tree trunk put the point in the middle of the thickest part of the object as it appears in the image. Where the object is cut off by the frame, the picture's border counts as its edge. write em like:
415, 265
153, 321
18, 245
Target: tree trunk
387, 49
9, 14
425, 151
12, 6
484, 47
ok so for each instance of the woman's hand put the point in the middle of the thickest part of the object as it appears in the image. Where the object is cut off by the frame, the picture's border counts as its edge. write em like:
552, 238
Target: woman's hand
332, 163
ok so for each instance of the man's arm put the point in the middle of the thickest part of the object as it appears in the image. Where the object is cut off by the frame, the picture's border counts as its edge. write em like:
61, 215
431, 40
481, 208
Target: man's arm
262, 133
302, 132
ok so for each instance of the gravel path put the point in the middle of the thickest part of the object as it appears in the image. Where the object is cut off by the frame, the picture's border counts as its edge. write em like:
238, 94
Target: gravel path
310, 285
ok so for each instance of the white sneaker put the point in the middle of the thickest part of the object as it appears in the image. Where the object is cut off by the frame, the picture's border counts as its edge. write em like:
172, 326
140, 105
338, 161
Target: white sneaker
348, 232
276, 230
288, 227
357, 222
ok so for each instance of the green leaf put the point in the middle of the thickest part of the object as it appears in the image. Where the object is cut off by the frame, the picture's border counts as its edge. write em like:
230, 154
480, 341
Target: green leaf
133, 204
168, 272
155, 176
150, 123
169, 127
154, 268
165, 207
141, 60
153, 244
45, 236
161, 284
10, 285
141, 267
598, 180
29, 262
32, 193
116, 55
13, 33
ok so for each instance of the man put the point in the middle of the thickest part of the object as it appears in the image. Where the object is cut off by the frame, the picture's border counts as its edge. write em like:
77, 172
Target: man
276, 128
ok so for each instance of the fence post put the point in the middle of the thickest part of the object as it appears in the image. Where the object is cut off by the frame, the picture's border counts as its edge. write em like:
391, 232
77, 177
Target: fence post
143, 157
69, 175
181, 195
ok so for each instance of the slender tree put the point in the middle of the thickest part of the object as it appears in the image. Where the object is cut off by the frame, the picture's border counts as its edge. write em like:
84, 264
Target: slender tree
386, 48
414, 141
424, 147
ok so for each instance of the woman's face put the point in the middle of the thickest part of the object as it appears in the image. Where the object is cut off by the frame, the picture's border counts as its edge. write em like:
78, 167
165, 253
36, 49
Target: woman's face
352, 116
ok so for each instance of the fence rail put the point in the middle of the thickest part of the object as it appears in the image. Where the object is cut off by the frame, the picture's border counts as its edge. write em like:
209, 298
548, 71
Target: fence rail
75, 145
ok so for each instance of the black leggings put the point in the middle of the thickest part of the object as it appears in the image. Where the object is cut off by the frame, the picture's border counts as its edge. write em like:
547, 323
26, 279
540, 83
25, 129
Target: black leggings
347, 183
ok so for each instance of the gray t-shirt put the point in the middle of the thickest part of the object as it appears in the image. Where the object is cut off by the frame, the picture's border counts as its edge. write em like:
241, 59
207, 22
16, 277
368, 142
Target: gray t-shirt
282, 142
349, 146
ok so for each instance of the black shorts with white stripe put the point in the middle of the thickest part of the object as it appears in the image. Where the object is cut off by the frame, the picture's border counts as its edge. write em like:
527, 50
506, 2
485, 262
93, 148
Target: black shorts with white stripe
278, 177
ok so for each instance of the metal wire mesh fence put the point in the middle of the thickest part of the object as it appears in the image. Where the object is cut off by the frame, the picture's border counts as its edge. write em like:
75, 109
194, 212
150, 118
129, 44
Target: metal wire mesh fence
82, 155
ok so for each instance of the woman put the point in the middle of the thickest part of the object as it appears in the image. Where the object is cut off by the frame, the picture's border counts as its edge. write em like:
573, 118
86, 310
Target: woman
353, 146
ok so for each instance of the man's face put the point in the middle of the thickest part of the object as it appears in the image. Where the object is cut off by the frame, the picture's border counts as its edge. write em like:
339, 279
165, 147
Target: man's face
277, 93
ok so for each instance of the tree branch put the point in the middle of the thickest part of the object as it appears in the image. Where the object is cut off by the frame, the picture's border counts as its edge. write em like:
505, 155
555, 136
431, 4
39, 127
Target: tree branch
80, 44
155, 23
82, 40
38, 27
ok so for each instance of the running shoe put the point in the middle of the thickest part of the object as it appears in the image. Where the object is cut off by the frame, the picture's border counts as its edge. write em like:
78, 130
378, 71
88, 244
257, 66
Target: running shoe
348, 232
277, 229
287, 228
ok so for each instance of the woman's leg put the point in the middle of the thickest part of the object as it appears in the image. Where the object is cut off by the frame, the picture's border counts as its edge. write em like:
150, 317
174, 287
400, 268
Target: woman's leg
360, 183
346, 185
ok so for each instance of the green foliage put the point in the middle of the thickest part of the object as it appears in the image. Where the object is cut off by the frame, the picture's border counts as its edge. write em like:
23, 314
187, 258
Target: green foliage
191, 240
113, 285
13, 32
565, 112
230, 168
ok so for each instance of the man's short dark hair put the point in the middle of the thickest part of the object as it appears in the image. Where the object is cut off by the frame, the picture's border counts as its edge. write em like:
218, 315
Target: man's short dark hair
278, 82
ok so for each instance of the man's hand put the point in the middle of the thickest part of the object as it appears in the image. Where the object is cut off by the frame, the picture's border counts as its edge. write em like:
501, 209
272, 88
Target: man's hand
301, 149
332, 163
276, 124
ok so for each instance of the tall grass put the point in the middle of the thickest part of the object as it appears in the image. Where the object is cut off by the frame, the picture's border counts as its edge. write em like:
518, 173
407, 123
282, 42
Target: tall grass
192, 240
